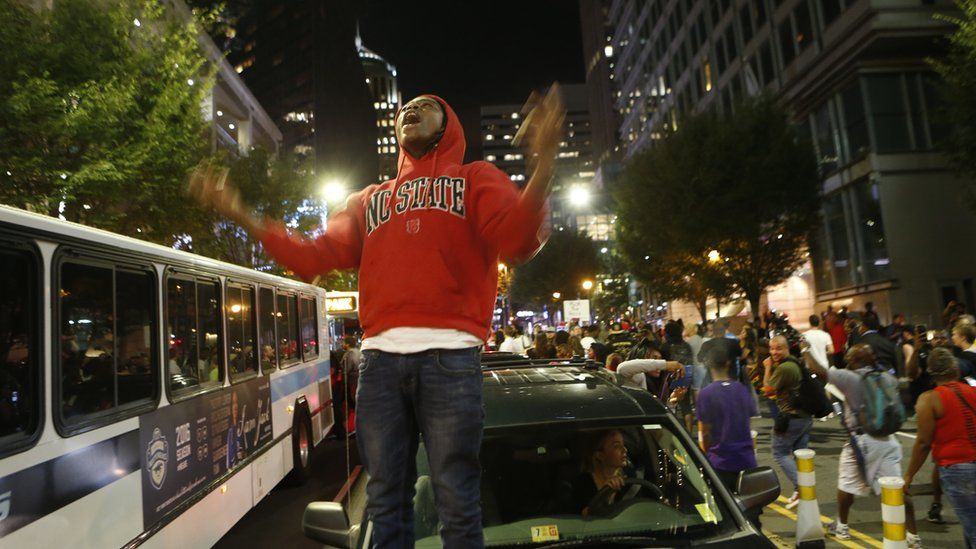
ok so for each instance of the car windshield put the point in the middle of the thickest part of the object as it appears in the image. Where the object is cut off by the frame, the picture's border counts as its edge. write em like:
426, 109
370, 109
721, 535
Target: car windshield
537, 487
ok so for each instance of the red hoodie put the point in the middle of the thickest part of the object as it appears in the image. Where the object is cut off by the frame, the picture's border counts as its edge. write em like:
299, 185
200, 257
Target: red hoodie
427, 244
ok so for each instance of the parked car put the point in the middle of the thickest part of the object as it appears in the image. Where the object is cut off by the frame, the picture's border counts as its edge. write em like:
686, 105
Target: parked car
537, 416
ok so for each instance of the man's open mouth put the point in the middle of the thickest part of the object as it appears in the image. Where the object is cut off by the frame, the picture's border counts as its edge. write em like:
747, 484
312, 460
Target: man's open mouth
409, 119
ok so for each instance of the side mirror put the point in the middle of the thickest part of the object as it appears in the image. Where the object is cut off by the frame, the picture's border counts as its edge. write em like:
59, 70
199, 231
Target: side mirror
326, 522
758, 488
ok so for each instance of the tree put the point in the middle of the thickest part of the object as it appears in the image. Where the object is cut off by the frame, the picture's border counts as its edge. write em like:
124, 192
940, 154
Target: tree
101, 117
723, 204
958, 71
613, 297
562, 265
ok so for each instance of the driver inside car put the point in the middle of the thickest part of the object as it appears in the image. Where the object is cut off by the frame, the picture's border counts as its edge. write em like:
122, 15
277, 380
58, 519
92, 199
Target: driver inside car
604, 457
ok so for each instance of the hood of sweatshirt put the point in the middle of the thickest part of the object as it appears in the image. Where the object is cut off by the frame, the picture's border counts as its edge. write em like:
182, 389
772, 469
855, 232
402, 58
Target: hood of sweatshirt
447, 151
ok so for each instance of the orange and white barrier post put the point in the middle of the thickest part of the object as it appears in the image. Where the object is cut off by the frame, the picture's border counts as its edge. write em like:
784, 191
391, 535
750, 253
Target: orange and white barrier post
809, 531
893, 512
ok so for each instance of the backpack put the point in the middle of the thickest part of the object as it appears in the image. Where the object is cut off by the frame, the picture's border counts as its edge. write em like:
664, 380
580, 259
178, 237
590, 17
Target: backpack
882, 412
810, 396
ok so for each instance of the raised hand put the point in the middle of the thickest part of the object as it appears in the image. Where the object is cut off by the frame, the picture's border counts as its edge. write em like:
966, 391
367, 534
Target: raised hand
211, 188
541, 132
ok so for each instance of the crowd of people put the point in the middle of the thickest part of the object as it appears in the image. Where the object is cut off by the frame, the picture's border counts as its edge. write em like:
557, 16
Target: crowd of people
846, 364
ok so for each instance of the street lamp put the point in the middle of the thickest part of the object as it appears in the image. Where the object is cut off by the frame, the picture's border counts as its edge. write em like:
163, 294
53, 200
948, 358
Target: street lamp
714, 256
556, 295
334, 192
587, 285
579, 195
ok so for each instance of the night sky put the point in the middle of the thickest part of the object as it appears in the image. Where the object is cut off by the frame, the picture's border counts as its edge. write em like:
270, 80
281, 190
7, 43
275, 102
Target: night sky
476, 53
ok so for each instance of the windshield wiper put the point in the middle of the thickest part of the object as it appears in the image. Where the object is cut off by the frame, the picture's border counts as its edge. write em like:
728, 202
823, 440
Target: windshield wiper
631, 541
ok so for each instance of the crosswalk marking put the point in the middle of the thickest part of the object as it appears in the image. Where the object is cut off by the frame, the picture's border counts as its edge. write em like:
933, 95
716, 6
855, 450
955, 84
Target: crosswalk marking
826, 520
792, 516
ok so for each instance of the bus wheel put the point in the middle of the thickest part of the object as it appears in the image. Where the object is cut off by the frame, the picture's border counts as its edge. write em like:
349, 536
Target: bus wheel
301, 446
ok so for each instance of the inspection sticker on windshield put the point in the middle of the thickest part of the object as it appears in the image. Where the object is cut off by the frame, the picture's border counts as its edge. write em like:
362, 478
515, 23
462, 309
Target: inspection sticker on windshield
706, 512
545, 533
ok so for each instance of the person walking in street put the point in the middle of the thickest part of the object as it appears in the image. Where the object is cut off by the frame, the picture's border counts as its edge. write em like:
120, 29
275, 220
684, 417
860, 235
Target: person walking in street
645, 360
947, 427
512, 342
838, 338
541, 348
676, 348
728, 345
887, 354
724, 411
964, 338
427, 246
591, 332
867, 456
791, 428
821, 345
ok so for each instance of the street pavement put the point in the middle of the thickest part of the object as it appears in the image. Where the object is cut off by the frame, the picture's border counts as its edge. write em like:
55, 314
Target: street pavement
827, 439
277, 520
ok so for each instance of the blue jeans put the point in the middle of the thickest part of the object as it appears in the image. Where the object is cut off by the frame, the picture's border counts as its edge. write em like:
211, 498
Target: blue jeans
796, 437
435, 394
959, 485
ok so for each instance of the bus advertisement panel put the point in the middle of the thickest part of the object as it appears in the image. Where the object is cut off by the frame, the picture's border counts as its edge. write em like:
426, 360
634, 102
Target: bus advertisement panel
187, 445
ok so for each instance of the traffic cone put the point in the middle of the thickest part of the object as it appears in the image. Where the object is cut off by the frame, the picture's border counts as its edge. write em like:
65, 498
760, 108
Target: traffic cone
893, 512
809, 531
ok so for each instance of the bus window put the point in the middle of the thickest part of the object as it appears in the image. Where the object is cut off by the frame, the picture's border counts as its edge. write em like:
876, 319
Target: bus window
193, 317
287, 330
19, 395
97, 324
241, 355
266, 329
136, 321
310, 339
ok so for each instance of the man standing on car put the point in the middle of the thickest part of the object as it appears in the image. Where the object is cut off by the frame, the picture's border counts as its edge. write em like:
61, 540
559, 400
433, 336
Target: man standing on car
427, 246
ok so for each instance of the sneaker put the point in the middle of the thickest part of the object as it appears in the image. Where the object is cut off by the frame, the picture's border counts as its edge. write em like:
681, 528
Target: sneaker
935, 513
793, 501
913, 541
838, 530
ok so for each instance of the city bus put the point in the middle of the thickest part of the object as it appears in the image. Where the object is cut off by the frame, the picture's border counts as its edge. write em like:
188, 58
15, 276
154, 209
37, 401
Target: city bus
148, 396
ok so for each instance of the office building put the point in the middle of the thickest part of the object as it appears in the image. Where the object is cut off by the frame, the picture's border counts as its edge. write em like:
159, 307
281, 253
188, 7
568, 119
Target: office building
300, 60
855, 75
381, 79
575, 204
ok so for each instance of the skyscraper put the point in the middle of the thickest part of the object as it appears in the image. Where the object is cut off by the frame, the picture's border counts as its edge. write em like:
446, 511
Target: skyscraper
300, 60
574, 161
381, 79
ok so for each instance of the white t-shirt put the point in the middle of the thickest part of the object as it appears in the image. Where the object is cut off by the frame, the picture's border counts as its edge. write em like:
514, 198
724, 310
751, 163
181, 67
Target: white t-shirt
512, 345
415, 340
631, 373
819, 340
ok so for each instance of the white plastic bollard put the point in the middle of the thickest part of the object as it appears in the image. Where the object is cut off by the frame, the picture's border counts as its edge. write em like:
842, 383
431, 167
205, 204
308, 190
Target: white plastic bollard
809, 531
893, 512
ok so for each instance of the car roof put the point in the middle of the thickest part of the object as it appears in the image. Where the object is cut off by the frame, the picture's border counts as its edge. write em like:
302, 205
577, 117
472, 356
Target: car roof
519, 391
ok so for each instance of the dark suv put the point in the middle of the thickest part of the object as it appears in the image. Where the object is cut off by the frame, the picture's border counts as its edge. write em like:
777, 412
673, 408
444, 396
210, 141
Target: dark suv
537, 415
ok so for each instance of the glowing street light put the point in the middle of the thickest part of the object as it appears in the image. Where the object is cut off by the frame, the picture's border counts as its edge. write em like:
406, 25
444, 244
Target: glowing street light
556, 295
579, 195
587, 285
714, 256
334, 192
